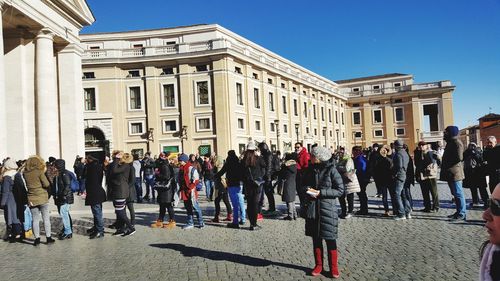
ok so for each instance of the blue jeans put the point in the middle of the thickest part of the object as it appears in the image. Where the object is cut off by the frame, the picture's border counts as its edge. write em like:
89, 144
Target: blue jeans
150, 183
209, 185
81, 183
64, 212
191, 204
458, 193
402, 204
138, 188
98, 221
238, 203
385, 201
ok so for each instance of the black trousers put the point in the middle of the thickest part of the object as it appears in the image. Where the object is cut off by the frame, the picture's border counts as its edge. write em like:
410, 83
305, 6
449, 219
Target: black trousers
482, 191
253, 196
363, 198
350, 203
269, 190
164, 207
222, 195
130, 207
330, 244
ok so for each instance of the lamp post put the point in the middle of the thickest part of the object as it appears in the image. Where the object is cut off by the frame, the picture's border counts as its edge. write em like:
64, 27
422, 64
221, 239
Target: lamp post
297, 131
277, 126
418, 134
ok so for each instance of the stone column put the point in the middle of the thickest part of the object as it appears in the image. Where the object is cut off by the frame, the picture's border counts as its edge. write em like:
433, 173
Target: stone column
72, 137
3, 117
47, 109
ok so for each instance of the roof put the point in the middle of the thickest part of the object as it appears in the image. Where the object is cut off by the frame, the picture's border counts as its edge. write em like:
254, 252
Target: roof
389, 75
141, 30
490, 116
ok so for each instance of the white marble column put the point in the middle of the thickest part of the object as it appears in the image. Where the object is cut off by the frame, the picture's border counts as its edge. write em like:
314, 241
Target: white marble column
3, 116
47, 108
69, 64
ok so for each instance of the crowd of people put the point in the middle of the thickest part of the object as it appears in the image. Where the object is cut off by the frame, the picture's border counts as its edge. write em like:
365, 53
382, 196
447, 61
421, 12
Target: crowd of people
244, 182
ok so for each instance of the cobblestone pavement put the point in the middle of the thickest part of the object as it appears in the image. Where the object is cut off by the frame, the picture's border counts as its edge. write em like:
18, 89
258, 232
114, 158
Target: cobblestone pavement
427, 247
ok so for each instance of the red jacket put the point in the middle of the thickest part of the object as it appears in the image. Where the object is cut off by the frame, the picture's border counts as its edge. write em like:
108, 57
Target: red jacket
303, 159
186, 185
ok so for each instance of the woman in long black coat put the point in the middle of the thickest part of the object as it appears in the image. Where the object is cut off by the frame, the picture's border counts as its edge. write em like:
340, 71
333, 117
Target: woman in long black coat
119, 190
382, 174
166, 187
95, 195
475, 176
324, 185
288, 176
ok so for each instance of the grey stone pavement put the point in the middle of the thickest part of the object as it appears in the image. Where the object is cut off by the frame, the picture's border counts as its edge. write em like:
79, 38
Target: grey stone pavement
427, 247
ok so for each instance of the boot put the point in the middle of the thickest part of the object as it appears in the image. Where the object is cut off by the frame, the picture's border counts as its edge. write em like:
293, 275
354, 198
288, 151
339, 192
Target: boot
333, 263
229, 217
171, 224
318, 259
157, 224
215, 219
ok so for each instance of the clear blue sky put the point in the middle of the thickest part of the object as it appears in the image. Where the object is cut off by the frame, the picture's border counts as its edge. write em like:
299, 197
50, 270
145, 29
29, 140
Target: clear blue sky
457, 40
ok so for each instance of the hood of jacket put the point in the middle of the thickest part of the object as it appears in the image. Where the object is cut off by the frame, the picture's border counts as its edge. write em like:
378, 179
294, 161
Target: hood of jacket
35, 163
60, 164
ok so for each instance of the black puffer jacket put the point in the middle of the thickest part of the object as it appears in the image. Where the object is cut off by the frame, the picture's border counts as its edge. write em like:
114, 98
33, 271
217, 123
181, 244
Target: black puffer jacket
326, 178
267, 156
118, 181
61, 187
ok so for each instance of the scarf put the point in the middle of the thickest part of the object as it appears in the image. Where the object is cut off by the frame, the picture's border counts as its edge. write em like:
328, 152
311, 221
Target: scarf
490, 262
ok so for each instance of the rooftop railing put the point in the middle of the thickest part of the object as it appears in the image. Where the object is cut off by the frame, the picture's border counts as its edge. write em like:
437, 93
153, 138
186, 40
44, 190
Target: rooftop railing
413, 87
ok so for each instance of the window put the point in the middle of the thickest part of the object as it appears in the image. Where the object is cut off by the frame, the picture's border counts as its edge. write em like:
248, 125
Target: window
138, 151
307, 130
90, 101
271, 127
256, 100
322, 114
237, 69
295, 108
355, 89
136, 128
336, 117
138, 46
378, 133
285, 128
241, 123
283, 99
315, 132
397, 85
305, 109
400, 131
269, 80
376, 103
134, 73
200, 68
271, 101
355, 105
239, 94
398, 101
202, 93
170, 148
88, 75
376, 87
283, 85
356, 134
168, 96
255, 76
294, 89
399, 114
204, 123
342, 117
169, 125
170, 43
356, 118
95, 47
314, 111
167, 71
321, 98
135, 102
329, 115
377, 116
257, 125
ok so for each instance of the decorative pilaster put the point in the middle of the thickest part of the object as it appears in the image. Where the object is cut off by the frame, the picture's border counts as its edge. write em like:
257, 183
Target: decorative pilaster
3, 117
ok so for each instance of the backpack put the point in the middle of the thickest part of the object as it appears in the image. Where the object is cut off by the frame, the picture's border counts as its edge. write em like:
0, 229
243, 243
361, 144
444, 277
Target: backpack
74, 184
199, 185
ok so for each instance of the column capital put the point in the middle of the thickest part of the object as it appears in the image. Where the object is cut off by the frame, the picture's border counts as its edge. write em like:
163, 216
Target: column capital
45, 33
72, 48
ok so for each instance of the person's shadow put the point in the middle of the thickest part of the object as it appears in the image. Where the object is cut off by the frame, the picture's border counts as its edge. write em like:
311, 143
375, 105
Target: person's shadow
224, 256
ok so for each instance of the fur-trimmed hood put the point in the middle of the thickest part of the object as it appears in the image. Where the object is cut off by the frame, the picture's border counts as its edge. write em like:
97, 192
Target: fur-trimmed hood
35, 163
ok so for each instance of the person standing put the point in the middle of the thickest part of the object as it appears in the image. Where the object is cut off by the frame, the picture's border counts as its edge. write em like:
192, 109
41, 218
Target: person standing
492, 161
189, 178
132, 195
452, 170
38, 197
166, 187
410, 177
373, 159
254, 170
324, 185
475, 176
138, 179
382, 174
63, 198
268, 188
233, 171
489, 269
8, 201
119, 190
361, 165
95, 196
426, 175
303, 158
148, 175
80, 169
346, 168
221, 193
207, 169
288, 176
402, 208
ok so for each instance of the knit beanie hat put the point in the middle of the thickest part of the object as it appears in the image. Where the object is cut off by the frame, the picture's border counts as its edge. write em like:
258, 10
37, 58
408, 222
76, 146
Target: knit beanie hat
452, 131
10, 164
321, 153
183, 157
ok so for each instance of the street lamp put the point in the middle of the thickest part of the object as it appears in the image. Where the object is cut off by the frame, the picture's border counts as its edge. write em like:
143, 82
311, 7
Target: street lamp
297, 131
277, 126
418, 134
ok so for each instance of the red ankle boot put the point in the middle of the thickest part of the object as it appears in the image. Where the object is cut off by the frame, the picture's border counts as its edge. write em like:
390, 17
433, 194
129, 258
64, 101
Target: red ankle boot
333, 262
229, 217
318, 259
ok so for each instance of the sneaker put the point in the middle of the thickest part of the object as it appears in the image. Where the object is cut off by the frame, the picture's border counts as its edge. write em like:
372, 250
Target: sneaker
37, 242
361, 213
129, 232
65, 236
216, 220
91, 230
118, 232
458, 217
287, 218
188, 226
386, 214
260, 217
408, 216
452, 215
399, 218
157, 224
242, 223
255, 227
96, 235
201, 226
348, 216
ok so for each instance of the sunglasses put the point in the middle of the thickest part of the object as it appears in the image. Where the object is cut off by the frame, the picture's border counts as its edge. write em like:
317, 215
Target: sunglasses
495, 206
